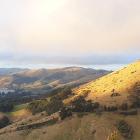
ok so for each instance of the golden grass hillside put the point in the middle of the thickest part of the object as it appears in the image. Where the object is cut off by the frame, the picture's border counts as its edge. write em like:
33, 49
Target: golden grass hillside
88, 127
120, 82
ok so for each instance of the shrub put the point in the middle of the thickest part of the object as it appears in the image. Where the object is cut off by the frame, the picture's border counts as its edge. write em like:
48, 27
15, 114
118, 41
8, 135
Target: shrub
81, 105
81, 114
124, 106
96, 105
65, 112
38, 106
135, 97
62, 92
85, 93
135, 101
110, 108
125, 129
65, 92
4, 120
52, 106
115, 94
6, 107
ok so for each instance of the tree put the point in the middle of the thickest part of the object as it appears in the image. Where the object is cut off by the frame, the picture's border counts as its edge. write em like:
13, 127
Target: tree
65, 92
6, 107
65, 112
124, 106
38, 106
54, 105
81, 105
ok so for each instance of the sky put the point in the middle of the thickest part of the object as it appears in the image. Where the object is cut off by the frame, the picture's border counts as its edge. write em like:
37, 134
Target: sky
82, 32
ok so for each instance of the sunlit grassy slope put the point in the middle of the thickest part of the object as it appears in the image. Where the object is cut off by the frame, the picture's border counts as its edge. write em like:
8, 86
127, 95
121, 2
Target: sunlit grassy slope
121, 82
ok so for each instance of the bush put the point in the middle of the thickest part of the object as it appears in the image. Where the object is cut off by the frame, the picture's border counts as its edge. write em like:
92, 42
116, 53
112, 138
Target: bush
124, 106
85, 93
81, 105
135, 97
52, 106
65, 92
115, 94
81, 114
65, 112
125, 129
6, 107
110, 108
96, 105
38, 106
135, 101
62, 92
4, 121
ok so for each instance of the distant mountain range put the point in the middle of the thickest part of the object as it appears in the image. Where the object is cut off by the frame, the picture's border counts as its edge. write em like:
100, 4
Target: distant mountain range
42, 80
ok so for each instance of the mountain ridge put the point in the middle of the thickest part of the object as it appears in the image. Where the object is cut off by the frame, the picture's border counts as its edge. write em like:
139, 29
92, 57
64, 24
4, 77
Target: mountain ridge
46, 79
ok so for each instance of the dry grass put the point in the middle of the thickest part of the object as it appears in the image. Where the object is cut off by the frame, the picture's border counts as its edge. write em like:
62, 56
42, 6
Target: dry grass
90, 127
20, 114
121, 82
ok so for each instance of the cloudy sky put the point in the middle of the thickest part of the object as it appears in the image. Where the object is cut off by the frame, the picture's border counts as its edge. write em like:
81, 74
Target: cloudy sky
35, 32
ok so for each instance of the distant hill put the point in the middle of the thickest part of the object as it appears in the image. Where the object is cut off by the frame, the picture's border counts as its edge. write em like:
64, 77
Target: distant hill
10, 71
47, 79
115, 88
